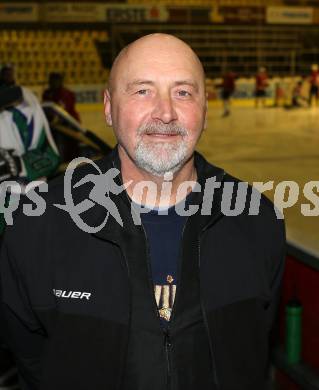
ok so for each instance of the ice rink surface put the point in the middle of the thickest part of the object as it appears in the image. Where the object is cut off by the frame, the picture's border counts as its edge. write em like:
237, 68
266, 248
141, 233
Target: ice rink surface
257, 145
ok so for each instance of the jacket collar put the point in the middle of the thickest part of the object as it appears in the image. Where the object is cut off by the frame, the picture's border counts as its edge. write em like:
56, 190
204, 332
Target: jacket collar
112, 231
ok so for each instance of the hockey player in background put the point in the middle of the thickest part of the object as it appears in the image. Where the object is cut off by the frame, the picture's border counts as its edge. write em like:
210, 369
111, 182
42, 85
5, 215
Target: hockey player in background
261, 86
228, 88
60, 95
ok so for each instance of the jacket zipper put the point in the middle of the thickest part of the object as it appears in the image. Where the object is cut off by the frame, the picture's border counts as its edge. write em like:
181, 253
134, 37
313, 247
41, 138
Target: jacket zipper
211, 223
129, 317
207, 328
214, 366
167, 344
167, 338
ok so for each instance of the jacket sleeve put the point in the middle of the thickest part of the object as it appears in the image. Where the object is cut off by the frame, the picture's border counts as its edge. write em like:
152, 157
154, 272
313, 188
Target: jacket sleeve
20, 329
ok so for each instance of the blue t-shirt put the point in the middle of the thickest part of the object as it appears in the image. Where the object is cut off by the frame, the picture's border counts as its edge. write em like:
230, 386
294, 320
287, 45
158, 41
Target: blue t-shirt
164, 234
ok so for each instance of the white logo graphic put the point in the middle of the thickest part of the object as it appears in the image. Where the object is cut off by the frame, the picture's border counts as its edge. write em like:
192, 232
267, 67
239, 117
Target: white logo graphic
104, 184
71, 294
236, 197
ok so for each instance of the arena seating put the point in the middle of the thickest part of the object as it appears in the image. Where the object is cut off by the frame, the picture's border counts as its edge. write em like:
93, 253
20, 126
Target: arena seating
238, 47
85, 55
36, 53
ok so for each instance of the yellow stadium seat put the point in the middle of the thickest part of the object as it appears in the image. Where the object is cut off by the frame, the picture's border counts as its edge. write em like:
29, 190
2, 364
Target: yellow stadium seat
36, 53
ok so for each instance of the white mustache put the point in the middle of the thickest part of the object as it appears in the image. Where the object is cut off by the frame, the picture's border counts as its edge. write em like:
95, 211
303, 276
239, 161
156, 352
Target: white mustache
154, 128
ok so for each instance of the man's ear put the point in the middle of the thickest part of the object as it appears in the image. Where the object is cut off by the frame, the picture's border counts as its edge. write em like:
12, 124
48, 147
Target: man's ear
107, 107
206, 111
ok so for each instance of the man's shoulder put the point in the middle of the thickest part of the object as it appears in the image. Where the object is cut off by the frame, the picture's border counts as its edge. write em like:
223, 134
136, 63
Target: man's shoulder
251, 194
59, 191
75, 173
259, 215
256, 203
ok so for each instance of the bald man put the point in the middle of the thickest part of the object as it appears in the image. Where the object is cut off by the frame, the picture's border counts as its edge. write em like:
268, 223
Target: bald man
150, 282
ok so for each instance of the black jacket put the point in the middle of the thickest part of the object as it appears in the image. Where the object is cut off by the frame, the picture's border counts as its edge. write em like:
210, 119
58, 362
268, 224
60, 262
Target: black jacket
80, 340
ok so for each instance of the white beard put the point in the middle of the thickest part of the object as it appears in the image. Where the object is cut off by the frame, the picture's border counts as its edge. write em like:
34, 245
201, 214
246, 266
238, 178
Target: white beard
160, 157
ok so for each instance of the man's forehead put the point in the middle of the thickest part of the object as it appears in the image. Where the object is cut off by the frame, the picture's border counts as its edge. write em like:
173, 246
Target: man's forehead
160, 45
153, 72
157, 57
156, 62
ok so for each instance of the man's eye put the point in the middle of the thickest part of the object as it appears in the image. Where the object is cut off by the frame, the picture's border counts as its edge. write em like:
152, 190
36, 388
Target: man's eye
142, 92
184, 93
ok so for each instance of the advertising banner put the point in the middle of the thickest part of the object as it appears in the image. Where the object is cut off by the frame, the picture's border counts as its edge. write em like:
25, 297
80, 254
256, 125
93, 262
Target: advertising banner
238, 15
70, 12
19, 12
289, 15
99, 12
135, 13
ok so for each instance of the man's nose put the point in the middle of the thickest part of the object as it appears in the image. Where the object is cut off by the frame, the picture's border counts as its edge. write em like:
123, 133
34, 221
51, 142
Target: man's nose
164, 109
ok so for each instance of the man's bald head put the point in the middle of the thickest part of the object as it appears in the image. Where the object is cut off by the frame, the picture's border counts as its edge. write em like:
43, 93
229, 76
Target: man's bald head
156, 46
156, 103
